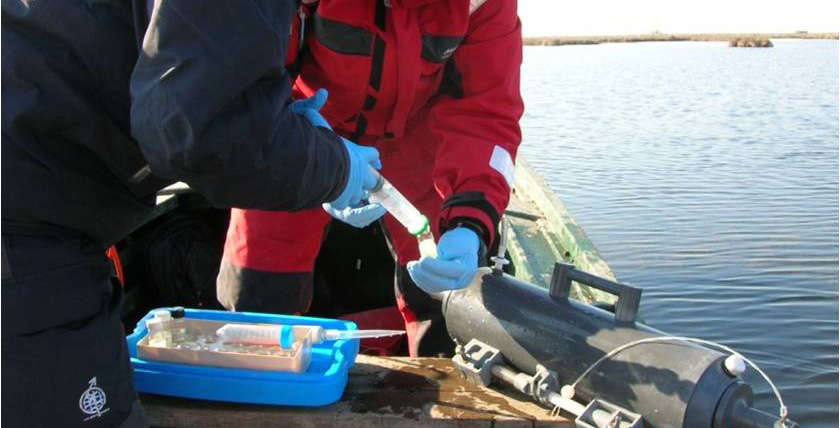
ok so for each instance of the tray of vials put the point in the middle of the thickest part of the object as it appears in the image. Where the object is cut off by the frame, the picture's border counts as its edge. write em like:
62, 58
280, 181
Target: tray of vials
242, 357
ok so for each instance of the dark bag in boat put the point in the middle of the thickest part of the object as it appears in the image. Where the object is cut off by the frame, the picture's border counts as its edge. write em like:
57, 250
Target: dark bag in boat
181, 259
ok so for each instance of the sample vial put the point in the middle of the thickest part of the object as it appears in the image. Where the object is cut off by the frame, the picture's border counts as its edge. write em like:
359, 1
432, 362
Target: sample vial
179, 328
158, 333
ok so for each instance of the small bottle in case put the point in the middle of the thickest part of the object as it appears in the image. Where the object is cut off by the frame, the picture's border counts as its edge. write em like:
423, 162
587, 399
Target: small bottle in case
158, 332
179, 328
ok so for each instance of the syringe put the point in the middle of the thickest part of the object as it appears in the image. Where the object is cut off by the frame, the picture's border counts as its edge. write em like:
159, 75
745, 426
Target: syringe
283, 335
416, 223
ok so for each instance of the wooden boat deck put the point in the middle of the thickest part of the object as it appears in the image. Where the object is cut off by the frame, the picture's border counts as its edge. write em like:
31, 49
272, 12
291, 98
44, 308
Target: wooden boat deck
397, 392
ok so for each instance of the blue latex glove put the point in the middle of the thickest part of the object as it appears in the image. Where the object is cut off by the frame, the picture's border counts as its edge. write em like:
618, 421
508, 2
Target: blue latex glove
360, 179
453, 268
357, 216
309, 107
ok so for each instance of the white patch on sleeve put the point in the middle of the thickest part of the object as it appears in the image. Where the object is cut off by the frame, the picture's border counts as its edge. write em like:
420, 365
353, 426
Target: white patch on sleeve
503, 163
475, 4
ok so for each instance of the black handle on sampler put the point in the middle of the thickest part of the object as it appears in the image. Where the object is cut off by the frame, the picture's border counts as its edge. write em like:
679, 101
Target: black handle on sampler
627, 306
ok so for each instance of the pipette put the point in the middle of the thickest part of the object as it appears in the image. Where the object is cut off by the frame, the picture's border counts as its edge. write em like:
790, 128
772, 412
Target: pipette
359, 334
283, 335
404, 211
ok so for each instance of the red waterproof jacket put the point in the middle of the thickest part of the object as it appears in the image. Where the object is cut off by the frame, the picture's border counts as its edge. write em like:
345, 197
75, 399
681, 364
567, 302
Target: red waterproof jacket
451, 66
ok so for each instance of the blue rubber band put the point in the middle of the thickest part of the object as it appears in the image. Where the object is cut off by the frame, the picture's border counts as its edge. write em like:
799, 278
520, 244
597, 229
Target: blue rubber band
287, 337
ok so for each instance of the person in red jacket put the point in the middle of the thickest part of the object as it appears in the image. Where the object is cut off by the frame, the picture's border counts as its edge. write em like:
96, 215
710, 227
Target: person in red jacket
434, 86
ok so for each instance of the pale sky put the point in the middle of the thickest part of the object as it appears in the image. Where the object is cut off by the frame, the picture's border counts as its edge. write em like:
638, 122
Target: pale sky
609, 17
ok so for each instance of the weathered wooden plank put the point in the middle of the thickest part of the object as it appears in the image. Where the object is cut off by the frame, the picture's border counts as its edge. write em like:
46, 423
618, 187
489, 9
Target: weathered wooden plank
381, 392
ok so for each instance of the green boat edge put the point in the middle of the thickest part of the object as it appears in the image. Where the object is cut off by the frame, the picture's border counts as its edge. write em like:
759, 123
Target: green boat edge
542, 231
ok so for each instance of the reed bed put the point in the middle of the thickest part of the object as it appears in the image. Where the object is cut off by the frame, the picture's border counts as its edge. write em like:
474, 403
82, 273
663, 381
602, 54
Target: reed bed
744, 39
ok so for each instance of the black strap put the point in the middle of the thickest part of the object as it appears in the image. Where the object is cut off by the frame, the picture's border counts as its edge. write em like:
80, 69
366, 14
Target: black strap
377, 63
379, 15
475, 200
361, 126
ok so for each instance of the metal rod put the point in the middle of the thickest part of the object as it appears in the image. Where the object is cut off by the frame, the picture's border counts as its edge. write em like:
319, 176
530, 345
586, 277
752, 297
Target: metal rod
520, 381
566, 404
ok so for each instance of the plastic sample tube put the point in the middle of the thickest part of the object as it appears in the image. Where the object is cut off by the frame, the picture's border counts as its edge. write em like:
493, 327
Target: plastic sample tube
417, 224
389, 197
283, 335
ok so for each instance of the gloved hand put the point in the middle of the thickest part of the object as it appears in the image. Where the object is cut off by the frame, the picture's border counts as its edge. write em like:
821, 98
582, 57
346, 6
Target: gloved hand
357, 216
360, 179
309, 107
453, 268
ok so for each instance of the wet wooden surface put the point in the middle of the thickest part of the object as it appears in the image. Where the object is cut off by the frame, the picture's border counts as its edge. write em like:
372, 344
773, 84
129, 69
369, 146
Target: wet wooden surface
381, 392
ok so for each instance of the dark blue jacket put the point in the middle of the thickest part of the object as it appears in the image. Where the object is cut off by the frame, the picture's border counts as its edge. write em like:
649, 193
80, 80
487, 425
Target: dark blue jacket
107, 101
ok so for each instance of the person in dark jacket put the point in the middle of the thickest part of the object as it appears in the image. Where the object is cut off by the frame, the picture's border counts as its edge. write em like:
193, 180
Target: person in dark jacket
104, 103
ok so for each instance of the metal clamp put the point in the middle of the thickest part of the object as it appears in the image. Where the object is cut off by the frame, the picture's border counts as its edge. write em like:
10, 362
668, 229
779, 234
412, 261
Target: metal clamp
543, 382
475, 360
499, 260
602, 414
627, 306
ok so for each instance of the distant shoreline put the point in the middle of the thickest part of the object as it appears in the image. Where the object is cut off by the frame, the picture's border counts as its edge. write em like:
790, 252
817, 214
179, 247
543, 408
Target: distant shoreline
662, 37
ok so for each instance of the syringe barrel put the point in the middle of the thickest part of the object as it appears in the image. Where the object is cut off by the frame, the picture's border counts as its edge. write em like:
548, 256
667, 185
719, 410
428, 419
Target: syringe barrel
396, 204
282, 335
250, 334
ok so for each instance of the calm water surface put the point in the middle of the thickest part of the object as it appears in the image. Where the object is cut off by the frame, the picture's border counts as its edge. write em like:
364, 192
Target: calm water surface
708, 176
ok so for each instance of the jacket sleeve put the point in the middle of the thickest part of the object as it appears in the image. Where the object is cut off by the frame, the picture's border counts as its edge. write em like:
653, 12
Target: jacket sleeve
210, 99
476, 120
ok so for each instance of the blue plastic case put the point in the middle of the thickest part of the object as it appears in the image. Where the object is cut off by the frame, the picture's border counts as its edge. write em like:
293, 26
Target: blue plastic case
322, 383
